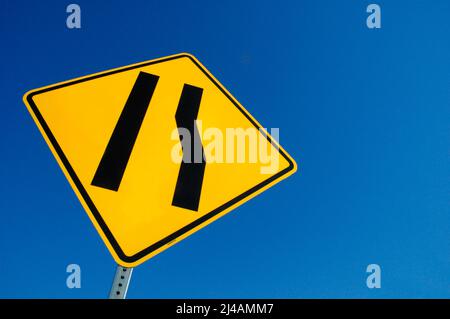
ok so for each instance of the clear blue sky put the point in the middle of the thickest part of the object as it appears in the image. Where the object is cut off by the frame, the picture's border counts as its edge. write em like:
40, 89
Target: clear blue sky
364, 112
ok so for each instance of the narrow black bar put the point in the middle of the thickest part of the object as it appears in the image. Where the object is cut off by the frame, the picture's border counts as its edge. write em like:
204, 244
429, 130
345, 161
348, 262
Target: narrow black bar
114, 161
190, 177
228, 308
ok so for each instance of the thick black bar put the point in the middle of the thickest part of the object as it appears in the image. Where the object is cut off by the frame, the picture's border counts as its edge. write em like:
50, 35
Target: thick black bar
190, 177
115, 158
228, 308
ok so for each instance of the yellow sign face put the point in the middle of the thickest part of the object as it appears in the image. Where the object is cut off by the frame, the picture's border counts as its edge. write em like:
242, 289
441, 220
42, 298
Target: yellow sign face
155, 151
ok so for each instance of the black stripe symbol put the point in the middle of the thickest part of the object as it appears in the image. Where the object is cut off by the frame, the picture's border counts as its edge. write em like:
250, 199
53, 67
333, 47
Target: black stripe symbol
115, 158
190, 177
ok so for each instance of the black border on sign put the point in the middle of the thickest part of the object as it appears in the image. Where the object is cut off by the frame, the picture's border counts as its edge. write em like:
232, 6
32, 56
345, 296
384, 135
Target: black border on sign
90, 203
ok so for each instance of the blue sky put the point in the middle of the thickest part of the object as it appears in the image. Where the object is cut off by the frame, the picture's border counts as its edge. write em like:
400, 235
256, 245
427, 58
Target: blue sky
364, 113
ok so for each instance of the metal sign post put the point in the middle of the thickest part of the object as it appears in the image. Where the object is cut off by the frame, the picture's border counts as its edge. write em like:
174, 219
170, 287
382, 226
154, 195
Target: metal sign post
120, 283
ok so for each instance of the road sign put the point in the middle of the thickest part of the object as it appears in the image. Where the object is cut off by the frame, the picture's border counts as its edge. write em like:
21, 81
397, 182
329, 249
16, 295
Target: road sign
155, 151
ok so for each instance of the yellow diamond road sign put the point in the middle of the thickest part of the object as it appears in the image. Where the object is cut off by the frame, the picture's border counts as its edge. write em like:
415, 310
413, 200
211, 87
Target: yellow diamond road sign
126, 141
